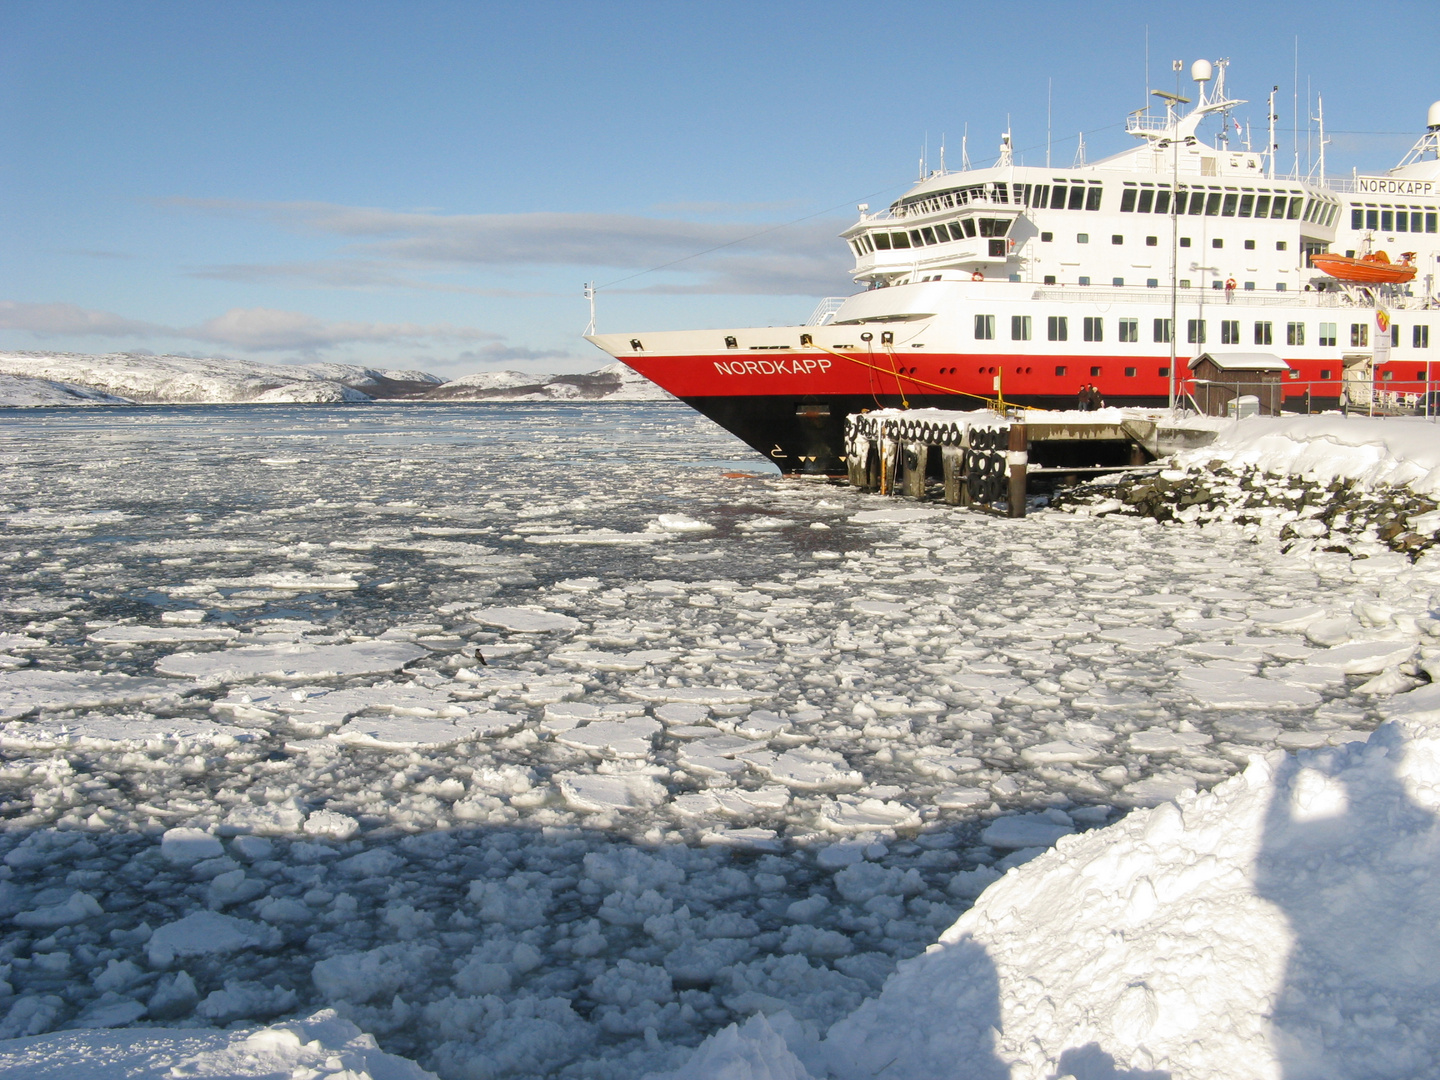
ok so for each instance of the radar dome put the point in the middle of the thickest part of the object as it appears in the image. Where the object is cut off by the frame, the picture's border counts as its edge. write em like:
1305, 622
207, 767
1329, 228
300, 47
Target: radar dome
1432, 118
1201, 71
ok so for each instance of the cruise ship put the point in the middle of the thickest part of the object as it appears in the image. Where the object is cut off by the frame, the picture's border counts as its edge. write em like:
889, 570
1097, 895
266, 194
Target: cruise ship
1025, 285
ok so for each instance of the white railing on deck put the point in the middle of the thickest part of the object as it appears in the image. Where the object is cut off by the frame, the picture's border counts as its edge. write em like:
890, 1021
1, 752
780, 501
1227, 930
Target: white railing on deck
825, 310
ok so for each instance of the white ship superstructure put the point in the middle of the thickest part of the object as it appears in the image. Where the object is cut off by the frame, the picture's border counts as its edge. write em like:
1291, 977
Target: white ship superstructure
1034, 282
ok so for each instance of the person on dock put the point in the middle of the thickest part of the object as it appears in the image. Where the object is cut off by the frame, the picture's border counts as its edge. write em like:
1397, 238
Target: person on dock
1344, 401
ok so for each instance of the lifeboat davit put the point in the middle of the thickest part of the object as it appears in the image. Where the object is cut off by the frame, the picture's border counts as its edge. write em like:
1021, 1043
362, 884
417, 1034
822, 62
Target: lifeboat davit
1373, 269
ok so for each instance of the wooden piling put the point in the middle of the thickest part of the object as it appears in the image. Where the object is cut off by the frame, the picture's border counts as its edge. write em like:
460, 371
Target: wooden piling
953, 460
1019, 460
914, 458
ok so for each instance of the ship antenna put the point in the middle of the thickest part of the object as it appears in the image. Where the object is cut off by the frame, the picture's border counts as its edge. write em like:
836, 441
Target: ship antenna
1272, 146
590, 295
942, 153
1320, 119
1049, 98
1079, 153
964, 149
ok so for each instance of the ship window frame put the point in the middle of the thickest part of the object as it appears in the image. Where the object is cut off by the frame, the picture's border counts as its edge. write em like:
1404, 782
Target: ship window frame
1431, 220
1093, 195
1420, 336
1077, 197
1094, 328
899, 236
1296, 202
984, 327
1295, 334
1229, 204
1329, 336
927, 233
1264, 332
1020, 327
916, 240
1162, 331
1147, 201
882, 241
1181, 195
1195, 331
1128, 331
1212, 203
1262, 205
1127, 200
1229, 331
1197, 203
1057, 196
1057, 328
1359, 335
1387, 220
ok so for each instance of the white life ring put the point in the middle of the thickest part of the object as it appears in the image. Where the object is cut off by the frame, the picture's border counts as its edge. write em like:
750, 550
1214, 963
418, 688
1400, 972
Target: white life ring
977, 276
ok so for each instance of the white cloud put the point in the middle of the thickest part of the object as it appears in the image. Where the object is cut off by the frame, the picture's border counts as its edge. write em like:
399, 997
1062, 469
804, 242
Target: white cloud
800, 258
249, 329
265, 329
57, 318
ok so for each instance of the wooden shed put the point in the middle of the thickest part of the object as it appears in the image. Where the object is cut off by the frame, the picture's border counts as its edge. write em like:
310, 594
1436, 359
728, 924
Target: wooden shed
1220, 378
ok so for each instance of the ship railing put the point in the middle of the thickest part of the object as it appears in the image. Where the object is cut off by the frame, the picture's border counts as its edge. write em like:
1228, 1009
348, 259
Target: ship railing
1218, 298
1358, 391
1138, 122
825, 310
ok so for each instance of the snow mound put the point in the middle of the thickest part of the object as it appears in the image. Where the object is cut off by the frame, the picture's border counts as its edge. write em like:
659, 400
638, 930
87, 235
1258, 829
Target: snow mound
1402, 451
1282, 920
311, 393
17, 391
320, 1046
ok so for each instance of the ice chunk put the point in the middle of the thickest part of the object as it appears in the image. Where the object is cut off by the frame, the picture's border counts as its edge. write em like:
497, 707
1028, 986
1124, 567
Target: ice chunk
79, 907
525, 620
593, 793
1024, 830
147, 635
630, 738
29, 691
1220, 689
897, 515
1057, 752
185, 846
331, 825
680, 523
206, 933
292, 662
855, 815
403, 731
811, 769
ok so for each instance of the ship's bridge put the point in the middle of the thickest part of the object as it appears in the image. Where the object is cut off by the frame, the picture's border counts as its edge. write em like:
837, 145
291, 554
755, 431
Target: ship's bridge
966, 228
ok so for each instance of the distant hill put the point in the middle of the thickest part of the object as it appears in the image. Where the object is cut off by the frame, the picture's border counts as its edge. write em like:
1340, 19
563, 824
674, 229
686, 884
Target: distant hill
38, 379
614, 383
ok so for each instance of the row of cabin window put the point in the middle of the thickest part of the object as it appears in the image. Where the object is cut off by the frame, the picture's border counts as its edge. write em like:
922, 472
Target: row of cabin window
1078, 196
1057, 328
1153, 241
1152, 283
1393, 220
942, 233
1228, 204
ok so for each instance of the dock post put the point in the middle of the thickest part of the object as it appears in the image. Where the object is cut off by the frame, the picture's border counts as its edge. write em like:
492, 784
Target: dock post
914, 457
1019, 461
953, 459
889, 459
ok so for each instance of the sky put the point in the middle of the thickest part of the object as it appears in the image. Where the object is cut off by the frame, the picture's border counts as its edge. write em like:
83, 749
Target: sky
430, 184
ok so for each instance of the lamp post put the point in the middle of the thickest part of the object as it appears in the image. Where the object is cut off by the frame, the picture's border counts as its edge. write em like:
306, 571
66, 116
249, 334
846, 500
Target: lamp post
1171, 101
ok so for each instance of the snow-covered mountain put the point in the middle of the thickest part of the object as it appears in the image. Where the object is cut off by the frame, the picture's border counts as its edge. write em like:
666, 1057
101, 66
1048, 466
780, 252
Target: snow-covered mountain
129, 378
36, 378
613, 383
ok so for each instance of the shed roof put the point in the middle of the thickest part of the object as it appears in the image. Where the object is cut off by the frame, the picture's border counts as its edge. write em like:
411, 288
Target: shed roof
1242, 361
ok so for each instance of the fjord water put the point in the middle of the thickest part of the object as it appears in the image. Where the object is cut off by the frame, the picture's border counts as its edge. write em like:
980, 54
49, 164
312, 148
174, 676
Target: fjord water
733, 746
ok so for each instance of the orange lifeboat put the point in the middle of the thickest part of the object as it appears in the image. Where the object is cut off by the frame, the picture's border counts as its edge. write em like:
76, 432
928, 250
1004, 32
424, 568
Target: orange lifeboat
1373, 269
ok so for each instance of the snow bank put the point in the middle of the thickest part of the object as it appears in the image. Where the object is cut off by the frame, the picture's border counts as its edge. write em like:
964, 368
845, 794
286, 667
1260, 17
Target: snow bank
18, 391
1283, 920
1399, 451
318, 1047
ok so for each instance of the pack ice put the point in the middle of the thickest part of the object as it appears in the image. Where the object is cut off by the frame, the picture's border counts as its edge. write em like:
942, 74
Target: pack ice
364, 711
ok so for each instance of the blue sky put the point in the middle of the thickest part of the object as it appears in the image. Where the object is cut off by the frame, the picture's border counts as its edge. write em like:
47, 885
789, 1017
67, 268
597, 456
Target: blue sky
429, 184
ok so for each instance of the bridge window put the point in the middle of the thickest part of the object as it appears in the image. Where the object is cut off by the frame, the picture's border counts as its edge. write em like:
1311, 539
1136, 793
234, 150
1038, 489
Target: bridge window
1092, 198
1212, 204
929, 234
1127, 200
1162, 202
899, 240
1262, 206
1247, 204
1147, 200
1387, 220
882, 241
1057, 197
1077, 197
